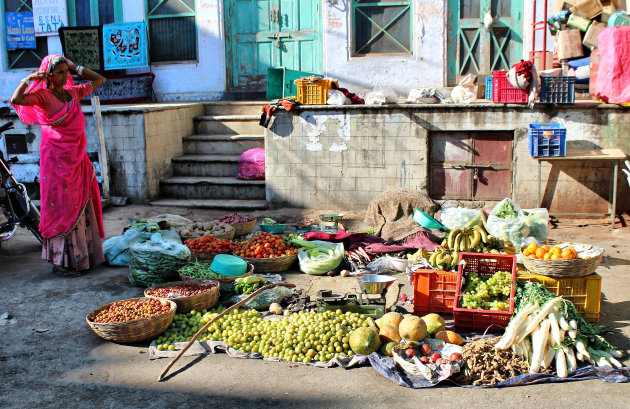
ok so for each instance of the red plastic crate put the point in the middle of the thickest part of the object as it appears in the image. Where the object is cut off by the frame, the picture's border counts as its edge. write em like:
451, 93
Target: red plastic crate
504, 92
433, 291
484, 265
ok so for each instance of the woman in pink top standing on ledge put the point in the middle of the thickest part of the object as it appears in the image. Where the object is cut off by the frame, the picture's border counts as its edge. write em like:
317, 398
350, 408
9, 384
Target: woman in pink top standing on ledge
71, 215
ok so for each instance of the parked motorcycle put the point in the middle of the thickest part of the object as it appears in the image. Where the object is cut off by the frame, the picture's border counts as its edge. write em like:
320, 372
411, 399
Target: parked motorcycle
16, 208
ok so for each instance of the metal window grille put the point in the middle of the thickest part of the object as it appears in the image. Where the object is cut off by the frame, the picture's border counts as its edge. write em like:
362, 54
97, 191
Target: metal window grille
381, 27
172, 30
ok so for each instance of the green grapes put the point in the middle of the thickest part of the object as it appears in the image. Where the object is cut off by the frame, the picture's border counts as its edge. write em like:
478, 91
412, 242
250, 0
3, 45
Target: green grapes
492, 293
301, 337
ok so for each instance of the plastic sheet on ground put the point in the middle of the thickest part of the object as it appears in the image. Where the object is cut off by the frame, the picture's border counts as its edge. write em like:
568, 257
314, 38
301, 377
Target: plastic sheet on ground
386, 367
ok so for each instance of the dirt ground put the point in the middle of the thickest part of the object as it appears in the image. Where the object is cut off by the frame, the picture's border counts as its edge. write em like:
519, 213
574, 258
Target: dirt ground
49, 357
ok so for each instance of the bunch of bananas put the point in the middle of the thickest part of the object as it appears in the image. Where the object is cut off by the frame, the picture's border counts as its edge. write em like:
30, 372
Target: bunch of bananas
468, 239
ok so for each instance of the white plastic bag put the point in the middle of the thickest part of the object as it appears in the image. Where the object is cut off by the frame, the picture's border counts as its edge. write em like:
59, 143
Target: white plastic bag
459, 217
464, 92
381, 95
336, 97
422, 96
508, 222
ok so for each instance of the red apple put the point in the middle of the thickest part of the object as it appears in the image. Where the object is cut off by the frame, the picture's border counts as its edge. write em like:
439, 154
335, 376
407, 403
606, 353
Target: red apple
424, 360
410, 353
425, 349
435, 356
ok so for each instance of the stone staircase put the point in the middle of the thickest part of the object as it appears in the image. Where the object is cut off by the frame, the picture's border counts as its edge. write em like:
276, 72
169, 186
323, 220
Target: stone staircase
205, 175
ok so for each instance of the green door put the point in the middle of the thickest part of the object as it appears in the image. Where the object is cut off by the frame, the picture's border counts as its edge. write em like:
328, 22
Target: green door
271, 33
475, 49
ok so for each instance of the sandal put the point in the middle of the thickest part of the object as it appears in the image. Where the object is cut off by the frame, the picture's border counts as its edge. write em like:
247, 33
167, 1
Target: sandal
65, 272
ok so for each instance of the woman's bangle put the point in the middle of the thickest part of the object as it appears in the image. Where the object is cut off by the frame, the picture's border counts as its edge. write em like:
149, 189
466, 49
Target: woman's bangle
26, 81
80, 69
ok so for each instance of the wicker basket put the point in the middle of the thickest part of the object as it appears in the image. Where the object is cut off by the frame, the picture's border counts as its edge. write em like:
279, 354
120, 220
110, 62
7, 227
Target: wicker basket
407, 366
223, 280
559, 268
134, 330
226, 236
243, 229
272, 265
203, 301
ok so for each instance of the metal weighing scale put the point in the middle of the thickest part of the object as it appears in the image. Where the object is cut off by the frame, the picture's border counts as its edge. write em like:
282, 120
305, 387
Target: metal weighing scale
329, 223
371, 301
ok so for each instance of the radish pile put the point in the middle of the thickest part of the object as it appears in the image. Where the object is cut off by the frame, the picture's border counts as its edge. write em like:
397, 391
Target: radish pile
554, 332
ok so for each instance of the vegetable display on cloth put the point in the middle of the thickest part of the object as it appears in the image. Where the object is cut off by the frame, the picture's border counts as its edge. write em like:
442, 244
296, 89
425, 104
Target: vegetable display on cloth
211, 228
319, 257
199, 270
154, 261
234, 218
265, 245
547, 328
210, 245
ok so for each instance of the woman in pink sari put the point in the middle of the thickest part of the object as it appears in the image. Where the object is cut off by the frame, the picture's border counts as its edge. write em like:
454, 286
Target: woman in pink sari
71, 215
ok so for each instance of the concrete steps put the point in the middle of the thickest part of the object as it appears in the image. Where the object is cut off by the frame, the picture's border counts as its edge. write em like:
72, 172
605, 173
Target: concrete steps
222, 144
207, 187
205, 175
228, 124
205, 165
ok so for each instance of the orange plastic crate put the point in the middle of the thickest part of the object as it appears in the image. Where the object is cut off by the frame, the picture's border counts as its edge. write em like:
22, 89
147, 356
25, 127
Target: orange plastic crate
433, 291
584, 292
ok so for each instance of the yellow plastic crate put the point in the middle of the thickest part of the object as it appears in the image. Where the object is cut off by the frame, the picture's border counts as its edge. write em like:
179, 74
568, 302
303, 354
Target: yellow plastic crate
584, 292
313, 91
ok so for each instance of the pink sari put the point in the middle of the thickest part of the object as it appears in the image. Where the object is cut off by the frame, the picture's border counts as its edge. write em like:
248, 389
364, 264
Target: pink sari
67, 179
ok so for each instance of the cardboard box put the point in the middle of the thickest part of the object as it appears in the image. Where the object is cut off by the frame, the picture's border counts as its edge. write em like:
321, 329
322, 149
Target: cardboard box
560, 5
569, 43
587, 8
608, 7
590, 38
541, 62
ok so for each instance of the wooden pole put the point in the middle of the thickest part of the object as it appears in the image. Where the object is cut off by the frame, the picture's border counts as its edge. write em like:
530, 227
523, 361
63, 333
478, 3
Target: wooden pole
205, 327
102, 152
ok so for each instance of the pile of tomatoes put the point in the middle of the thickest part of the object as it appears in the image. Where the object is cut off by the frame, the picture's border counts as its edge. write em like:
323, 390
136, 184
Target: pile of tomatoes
210, 245
265, 245
547, 253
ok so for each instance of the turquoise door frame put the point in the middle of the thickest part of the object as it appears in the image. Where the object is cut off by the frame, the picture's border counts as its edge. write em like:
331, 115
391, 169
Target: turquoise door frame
270, 33
471, 48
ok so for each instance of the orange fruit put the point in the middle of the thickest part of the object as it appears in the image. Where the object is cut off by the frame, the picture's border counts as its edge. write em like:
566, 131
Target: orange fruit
555, 256
566, 253
540, 253
548, 255
555, 250
532, 248
546, 247
526, 252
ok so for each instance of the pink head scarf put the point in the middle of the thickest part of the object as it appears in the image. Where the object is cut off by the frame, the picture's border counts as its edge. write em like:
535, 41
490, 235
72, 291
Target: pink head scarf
33, 115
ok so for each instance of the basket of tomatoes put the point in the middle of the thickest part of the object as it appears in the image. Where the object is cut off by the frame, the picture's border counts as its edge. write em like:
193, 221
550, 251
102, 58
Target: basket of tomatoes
561, 260
268, 253
206, 247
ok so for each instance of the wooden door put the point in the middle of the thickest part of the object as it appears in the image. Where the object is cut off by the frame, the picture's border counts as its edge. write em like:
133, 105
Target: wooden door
475, 49
471, 165
271, 33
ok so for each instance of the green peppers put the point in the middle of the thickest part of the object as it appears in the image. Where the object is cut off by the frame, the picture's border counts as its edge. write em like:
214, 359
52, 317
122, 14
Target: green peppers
246, 285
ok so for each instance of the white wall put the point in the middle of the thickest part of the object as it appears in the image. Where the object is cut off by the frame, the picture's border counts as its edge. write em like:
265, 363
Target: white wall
426, 67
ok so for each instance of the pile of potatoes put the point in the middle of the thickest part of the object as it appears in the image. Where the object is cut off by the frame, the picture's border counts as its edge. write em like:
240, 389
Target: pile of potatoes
200, 229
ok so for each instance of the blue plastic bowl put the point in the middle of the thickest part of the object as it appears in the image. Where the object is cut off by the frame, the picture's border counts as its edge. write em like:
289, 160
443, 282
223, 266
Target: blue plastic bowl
230, 266
427, 221
273, 228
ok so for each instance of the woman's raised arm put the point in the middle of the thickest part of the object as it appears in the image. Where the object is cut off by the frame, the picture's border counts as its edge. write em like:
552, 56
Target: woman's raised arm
18, 95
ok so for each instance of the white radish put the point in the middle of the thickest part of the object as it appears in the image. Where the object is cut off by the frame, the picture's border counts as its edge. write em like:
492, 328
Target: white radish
572, 333
573, 325
542, 314
562, 334
564, 324
527, 347
561, 363
539, 346
601, 361
571, 361
510, 332
580, 357
608, 357
548, 357
615, 353
555, 328
581, 348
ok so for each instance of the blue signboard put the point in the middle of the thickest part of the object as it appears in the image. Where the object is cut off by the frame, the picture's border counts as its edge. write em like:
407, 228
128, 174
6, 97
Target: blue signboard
125, 45
20, 30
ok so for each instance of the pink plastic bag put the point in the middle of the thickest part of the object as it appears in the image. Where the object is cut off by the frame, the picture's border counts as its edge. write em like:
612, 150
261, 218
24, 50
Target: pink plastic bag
613, 77
251, 164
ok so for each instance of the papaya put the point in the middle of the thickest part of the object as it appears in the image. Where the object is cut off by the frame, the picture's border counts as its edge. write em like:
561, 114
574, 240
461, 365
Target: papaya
450, 337
434, 323
389, 333
386, 348
391, 318
364, 341
413, 328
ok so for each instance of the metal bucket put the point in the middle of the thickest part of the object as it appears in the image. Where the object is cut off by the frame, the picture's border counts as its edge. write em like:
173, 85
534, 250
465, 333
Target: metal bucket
374, 283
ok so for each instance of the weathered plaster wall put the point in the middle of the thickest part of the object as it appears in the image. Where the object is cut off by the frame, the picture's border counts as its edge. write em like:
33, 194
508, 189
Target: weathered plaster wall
345, 157
426, 67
